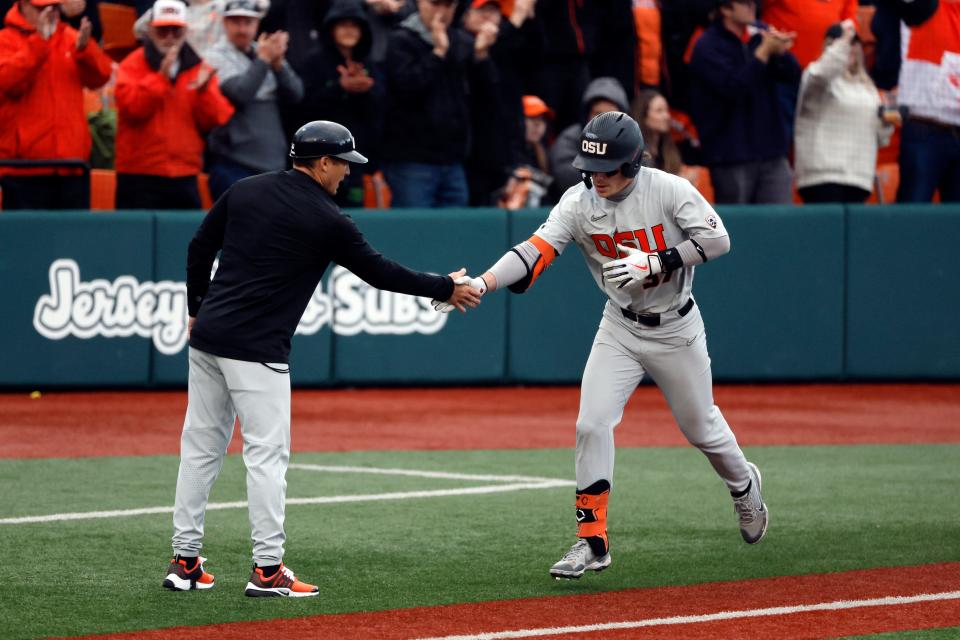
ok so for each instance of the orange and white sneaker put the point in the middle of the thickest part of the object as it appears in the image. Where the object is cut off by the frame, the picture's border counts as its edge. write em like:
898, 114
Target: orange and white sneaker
185, 574
281, 583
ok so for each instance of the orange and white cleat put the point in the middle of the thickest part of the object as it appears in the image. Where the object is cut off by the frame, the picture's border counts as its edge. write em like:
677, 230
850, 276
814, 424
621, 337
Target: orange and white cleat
282, 583
185, 574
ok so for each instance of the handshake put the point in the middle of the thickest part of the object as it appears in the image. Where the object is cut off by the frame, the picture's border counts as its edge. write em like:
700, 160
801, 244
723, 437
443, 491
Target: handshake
466, 293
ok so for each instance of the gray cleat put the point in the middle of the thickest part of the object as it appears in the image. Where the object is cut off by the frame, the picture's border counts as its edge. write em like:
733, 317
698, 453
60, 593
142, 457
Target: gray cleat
751, 510
579, 559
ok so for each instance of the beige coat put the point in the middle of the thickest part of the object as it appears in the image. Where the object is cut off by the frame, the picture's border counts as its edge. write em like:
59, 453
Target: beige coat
838, 127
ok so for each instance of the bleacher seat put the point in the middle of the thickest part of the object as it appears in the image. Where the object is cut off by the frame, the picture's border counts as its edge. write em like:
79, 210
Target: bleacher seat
118, 21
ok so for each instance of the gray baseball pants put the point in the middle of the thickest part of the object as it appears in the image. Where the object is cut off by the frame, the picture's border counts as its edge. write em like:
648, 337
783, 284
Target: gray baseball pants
219, 390
675, 356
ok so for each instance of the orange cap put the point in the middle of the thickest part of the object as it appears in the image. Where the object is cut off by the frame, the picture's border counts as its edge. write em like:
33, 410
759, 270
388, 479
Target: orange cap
45, 3
506, 6
534, 107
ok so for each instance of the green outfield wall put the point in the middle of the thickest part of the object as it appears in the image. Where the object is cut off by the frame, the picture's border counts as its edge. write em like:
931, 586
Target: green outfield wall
807, 293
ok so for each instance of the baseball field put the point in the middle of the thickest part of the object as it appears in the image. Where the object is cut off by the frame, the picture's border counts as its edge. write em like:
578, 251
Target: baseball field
436, 513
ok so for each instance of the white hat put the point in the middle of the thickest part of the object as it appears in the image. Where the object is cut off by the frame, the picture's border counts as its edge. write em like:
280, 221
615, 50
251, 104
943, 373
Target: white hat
245, 8
169, 13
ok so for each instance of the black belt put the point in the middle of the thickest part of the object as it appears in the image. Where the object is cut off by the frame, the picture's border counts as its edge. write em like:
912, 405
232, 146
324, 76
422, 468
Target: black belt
653, 319
936, 124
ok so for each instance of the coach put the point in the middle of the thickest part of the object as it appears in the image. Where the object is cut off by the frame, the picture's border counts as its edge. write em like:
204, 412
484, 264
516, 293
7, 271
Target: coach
277, 234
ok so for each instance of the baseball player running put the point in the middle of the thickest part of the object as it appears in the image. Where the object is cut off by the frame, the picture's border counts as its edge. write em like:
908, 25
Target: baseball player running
642, 232
276, 233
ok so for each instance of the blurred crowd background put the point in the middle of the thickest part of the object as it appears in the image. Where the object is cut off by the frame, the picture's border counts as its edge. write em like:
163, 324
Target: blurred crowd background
165, 104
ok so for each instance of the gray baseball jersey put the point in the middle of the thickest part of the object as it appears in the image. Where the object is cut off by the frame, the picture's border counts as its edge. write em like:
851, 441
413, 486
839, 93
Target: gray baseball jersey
662, 211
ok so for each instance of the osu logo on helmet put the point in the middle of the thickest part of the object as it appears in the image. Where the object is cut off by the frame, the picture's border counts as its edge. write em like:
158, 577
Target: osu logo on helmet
596, 148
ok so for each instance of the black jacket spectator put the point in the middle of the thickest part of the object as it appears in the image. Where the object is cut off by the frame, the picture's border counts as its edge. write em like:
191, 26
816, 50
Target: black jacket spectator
384, 16
497, 109
428, 113
680, 20
565, 72
361, 112
734, 98
303, 20
613, 53
517, 56
886, 28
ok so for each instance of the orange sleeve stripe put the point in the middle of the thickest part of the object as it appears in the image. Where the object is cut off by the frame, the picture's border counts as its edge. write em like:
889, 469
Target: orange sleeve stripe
547, 254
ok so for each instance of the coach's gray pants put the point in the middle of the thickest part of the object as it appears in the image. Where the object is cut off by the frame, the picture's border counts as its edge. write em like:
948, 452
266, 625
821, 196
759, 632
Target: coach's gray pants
219, 390
675, 356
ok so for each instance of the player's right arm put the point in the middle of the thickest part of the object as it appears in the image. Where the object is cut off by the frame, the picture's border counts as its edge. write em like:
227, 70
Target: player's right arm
520, 267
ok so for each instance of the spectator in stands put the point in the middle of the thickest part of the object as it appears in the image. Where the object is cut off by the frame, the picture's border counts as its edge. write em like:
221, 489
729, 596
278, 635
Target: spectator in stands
564, 71
930, 90
839, 125
809, 20
204, 24
44, 65
611, 41
383, 16
682, 21
646, 22
735, 106
494, 117
167, 100
255, 78
886, 29
74, 11
651, 111
536, 115
602, 95
303, 20
346, 87
431, 66
498, 121
530, 180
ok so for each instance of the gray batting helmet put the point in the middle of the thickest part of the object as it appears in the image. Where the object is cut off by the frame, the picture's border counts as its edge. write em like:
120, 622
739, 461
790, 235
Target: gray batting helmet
609, 142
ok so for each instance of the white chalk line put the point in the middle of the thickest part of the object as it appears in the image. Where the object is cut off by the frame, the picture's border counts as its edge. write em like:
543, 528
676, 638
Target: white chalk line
514, 483
889, 601
443, 475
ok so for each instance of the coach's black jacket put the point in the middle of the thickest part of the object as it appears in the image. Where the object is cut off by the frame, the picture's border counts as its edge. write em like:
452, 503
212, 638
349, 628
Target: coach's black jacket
278, 233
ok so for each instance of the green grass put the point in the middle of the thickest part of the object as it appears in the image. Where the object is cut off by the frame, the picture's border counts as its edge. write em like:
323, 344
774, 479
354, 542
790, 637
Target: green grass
947, 633
832, 509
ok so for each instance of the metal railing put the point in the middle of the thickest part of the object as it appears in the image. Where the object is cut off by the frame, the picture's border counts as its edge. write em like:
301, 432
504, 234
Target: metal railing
31, 163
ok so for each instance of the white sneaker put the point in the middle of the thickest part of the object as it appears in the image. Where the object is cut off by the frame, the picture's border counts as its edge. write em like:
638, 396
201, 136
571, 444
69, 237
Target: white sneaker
751, 510
579, 559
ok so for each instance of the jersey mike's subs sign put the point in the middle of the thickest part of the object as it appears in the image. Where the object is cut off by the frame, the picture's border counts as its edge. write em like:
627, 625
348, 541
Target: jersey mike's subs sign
126, 306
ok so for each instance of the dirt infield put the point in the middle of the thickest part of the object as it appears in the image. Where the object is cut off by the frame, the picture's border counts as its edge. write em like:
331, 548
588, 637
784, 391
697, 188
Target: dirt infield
148, 423
655, 611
